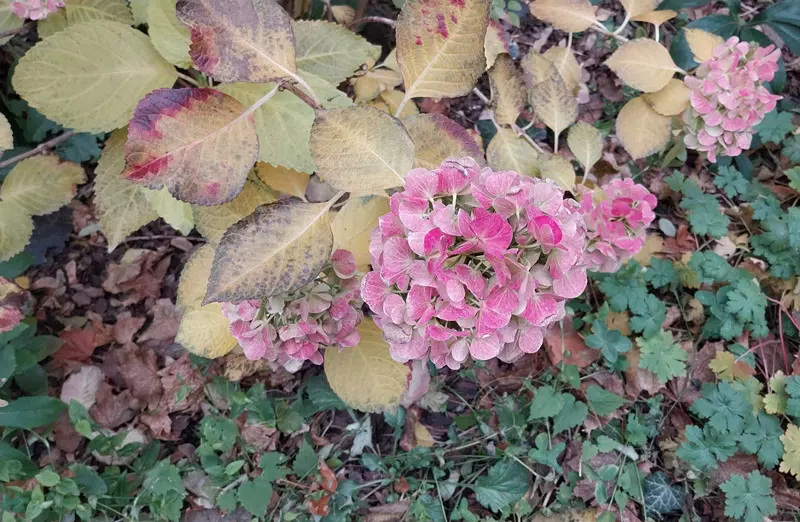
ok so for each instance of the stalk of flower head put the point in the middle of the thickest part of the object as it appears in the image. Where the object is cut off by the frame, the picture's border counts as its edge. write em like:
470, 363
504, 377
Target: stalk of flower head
35, 9
728, 98
473, 263
288, 329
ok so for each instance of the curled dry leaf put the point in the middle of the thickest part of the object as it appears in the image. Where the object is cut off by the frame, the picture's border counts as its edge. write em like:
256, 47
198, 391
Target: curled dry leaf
508, 91
244, 268
566, 65
199, 143
82, 386
365, 376
240, 40
353, 224
212, 222
360, 149
437, 138
507, 151
554, 105
572, 16
440, 46
671, 100
41, 184
642, 130
586, 144
702, 43
643, 64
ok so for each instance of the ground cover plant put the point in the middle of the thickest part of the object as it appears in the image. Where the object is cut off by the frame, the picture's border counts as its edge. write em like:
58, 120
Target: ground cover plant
423, 260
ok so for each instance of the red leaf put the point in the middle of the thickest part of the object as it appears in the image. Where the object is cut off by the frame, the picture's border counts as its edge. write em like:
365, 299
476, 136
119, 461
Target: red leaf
329, 482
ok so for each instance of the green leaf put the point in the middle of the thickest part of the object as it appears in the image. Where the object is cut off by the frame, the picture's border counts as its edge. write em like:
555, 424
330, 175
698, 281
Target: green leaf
705, 216
48, 478
255, 495
661, 355
749, 499
610, 342
791, 149
775, 126
647, 320
660, 496
704, 448
272, 463
547, 402
571, 415
603, 402
661, 273
726, 409
793, 390
746, 301
761, 437
625, 289
731, 182
30, 412
710, 267
89, 480
505, 484
306, 460
163, 478
544, 454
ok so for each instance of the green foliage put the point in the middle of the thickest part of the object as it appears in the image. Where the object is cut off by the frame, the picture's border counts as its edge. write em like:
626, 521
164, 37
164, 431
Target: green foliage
749, 498
572, 414
659, 495
547, 453
647, 320
775, 126
661, 273
603, 402
546, 403
624, 289
726, 409
505, 484
661, 355
779, 243
705, 447
703, 210
731, 182
610, 342
761, 437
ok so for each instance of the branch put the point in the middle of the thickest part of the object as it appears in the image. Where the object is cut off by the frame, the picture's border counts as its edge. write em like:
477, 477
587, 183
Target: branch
40, 149
294, 89
12, 32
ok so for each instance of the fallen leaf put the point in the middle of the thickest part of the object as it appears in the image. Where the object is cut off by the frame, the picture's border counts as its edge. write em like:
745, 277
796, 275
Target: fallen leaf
183, 386
166, 319
564, 344
727, 367
136, 368
67, 439
139, 274
113, 410
82, 386
394, 512
79, 345
126, 327
638, 379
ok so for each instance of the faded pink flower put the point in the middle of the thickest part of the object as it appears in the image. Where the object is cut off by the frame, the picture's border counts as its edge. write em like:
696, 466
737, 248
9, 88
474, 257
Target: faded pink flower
35, 9
728, 98
617, 215
291, 328
473, 263
13, 301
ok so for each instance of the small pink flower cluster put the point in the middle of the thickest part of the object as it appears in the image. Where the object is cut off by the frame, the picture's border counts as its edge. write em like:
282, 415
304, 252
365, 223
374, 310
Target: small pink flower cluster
472, 262
289, 329
13, 301
617, 215
728, 98
35, 9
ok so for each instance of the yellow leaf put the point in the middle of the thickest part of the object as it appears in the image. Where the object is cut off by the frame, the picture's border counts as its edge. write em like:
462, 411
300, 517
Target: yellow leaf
330, 51
343, 14
586, 144
121, 205
554, 105
653, 244
194, 278
366, 89
727, 368
212, 222
365, 376
240, 40
54, 23
279, 248
619, 321
81, 11
176, 213
642, 130
643, 64
283, 180
440, 46
671, 100
656, 17
566, 65
538, 68
8, 20
169, 36
206, 332
638, 7
775, 401
6, 136
423, 436
572, 16
508, 91
507, 151
42, 184
702, 43
139, 9
559, 169
360, 149
353, 224
393, 98
386, 78
437, 138
791, 451
90, 76
494, 44
16, 227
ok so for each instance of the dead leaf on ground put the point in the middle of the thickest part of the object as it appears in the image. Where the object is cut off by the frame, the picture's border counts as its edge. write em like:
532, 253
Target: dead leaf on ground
394, 512
82, 386
166, 319
562, 338
638, 380
79, 345
113, 410
139, 274
67, 439
260, 436
136, 369
183, 386
237, 366
126, 327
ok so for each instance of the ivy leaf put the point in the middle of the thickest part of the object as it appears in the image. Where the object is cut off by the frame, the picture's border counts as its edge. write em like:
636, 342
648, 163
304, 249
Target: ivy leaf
749, 499
775, 126
725, 408
505, 484
610, 342
647, 320
571, 415
546, 403
661, 355
255, 495
603, 402
704, 448
659, 495
761, 437
544, 454
731, 182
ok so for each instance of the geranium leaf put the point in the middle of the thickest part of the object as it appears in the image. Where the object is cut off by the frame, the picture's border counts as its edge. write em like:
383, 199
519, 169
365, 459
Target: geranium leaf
437, 138
642, 130
42, 184
643, 64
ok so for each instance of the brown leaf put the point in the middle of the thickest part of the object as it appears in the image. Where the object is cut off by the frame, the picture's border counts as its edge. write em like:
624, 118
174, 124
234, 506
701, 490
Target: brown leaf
160, 425
79, 345
328, 482
137, 369
82, 386
112, 411
166, 319
67, 439
139, 274
737, 465
260, 436
638, 379
319, 506
394, 512
126, 327
563, 343
183, 386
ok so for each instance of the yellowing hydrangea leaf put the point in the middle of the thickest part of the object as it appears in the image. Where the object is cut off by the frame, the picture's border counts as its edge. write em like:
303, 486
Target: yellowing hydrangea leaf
656, 17
508, 91
8, 20
538, 68
437, 138
702, 43
206, 332
791, 451
586, 144
642, 130
343, 14
554, 105
52, 24
212, 222
90, 76
42, 184
139, 9
283, 180
494, 44
6, 136
176, 213
365, 376
775, 401
559, 169
727, 368
16, 227
393, 99
638, 7
507, 151
330, 51
81, 11
566, 65
121, 205
643, 64
572, 16
169, 36
194, 278
671, 100
353, 224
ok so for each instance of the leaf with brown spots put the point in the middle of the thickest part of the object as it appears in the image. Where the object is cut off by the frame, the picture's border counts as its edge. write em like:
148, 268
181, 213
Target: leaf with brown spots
507, 151
437, 138
554, 105
278, 248
240, 40
212, 222
508, 91
199, 143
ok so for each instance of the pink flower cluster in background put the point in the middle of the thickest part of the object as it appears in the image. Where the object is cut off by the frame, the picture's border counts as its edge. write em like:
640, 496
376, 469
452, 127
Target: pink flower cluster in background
290, 329
473, 263
35, 9
728, 98
617, 215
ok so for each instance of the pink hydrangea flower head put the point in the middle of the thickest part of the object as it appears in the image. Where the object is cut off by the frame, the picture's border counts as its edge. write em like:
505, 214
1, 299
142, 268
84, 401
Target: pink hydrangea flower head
473, 263
728, 98
35, 9
617, 215
288, 329
13, 303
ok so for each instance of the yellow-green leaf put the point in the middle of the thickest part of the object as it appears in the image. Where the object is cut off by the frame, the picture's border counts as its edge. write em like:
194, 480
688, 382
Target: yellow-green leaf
638, 7
586, 144
566, 65
360, 149
440, 46
643, 64
121, 205
283, 180
391, 100
198, 143
671, 100
278, 248
16, 227
554, 104
494, 44
6, 136
572, 16
558, 169
642, 130
702, 43
727, 367
507, 151
194, 278
80, 11
8, 20
169, 36
537, 68
354, 223
365, 376
52, 24
42, 184
437, 138
330, 51
791, 451
508, 91
656, 17
212, 222
240, 40
90, 76
139, 9
176, 213
775, 401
